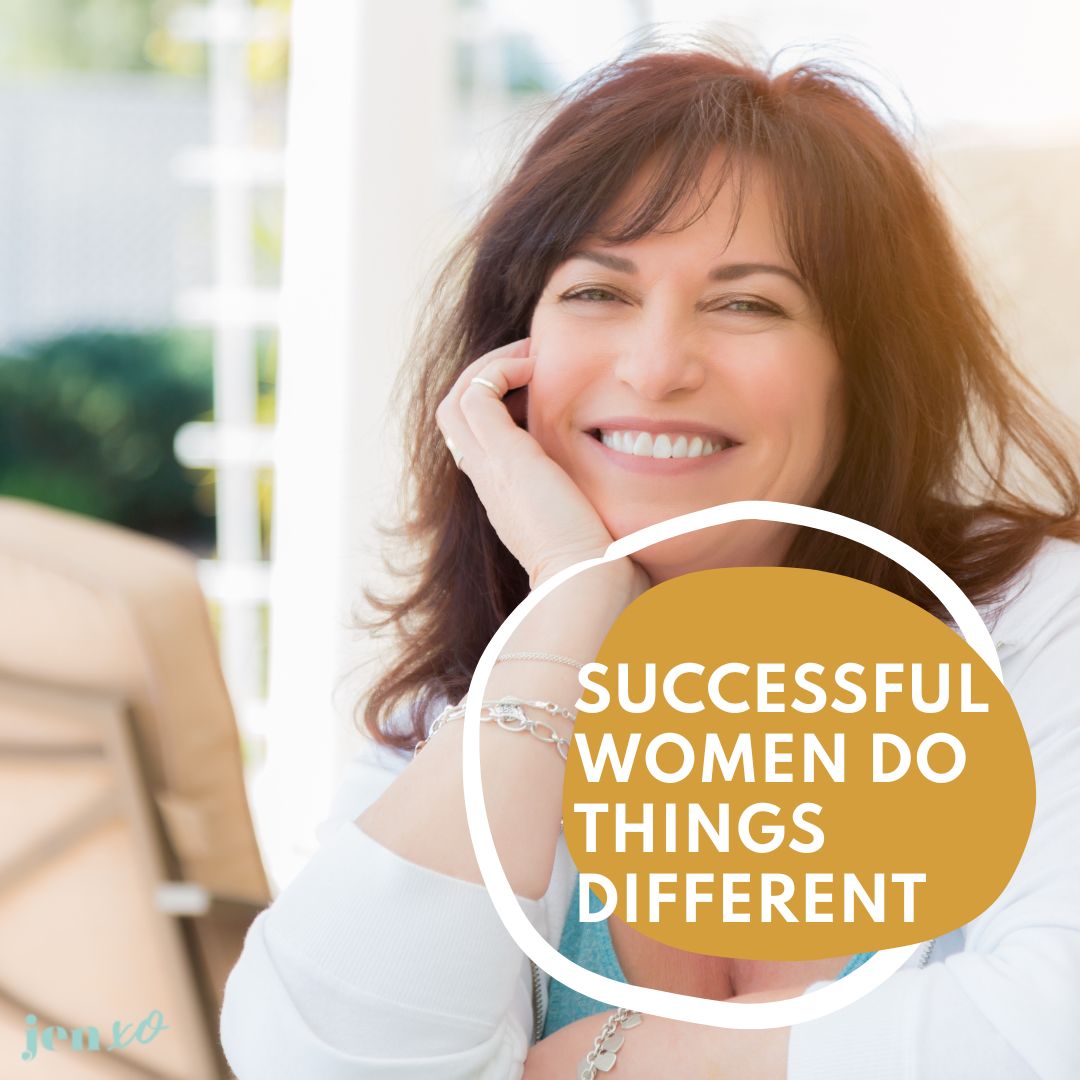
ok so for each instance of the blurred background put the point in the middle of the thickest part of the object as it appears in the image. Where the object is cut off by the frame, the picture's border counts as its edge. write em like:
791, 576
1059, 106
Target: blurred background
218, 221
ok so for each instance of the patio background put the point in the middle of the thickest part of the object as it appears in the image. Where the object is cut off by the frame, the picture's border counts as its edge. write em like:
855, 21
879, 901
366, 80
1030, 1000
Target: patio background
272, 188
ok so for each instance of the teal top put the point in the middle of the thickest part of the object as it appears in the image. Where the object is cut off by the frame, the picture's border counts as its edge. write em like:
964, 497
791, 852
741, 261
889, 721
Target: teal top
589, 946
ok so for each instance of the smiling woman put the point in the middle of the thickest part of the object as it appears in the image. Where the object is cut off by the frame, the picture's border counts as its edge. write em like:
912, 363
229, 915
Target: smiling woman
702, 332
704, 281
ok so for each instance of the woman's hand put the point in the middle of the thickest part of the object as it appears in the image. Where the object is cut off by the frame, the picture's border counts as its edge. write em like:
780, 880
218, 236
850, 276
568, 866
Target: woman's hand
537, 511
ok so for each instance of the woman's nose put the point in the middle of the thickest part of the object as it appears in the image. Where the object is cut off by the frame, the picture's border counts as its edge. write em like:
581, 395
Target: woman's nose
660, 360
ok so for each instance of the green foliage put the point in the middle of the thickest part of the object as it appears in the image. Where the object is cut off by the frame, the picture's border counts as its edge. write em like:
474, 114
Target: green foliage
87, 423
82, 35
119, 35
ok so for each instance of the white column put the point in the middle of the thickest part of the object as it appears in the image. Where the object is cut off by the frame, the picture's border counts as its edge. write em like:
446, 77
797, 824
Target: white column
366, 174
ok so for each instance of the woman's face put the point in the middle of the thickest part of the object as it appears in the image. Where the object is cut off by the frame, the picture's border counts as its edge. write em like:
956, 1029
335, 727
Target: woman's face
675, 373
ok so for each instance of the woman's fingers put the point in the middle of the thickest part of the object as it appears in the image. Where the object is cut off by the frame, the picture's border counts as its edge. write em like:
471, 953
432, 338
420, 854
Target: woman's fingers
471, 417
518, 348
510, 471
486, 412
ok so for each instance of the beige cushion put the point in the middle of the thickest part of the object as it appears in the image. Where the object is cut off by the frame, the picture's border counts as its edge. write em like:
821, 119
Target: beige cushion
98, 623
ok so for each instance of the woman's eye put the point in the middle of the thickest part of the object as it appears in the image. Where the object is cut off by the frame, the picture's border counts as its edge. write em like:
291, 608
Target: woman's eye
594, 294
580, 294
750, 306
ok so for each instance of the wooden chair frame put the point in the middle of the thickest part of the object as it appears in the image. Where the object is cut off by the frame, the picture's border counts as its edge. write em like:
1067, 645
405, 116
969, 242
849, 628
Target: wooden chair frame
111, 735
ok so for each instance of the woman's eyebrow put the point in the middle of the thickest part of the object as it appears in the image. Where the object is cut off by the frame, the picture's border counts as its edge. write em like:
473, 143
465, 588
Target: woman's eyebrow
723, 272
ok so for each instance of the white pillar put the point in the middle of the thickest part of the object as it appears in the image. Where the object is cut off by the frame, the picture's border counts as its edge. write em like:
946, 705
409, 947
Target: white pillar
370, 107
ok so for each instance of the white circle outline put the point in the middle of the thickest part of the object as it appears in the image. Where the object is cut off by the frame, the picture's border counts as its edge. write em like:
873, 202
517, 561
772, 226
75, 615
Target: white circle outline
695, 1010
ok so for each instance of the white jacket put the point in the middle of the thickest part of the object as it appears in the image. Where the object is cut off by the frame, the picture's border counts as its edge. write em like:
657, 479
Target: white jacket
368, 965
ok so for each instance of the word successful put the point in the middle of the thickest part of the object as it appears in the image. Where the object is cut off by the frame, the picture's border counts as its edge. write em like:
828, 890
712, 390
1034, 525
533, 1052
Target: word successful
758, 690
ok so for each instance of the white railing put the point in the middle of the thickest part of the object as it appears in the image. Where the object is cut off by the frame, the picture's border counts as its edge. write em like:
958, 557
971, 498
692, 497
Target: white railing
235, 446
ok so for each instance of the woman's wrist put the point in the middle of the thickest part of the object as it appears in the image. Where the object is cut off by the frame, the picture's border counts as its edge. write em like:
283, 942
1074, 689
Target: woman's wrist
573, 619
421, 816
622, 576
572, 622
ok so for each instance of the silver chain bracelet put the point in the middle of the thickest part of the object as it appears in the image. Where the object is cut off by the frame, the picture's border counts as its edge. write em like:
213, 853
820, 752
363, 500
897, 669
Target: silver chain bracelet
601, 1058
509, 714
547, 706
552, 658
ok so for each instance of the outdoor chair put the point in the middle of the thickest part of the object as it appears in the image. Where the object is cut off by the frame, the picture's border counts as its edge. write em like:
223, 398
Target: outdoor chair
129, 868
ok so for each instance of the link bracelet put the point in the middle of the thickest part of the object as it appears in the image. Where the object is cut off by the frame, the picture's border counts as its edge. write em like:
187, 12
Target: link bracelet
606, 1045
552, 658
509, 714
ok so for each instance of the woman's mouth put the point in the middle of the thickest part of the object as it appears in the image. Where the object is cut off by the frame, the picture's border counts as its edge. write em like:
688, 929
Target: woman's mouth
661, 445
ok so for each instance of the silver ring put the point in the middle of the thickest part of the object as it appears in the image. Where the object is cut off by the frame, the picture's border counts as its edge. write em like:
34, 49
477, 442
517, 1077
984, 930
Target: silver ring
455, 453
489, 384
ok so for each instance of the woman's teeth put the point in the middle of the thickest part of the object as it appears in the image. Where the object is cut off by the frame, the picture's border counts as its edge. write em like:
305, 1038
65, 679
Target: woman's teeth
644, 444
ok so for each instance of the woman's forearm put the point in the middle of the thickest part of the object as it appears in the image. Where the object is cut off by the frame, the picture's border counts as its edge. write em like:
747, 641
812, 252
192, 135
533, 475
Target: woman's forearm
670, 1048
421, 816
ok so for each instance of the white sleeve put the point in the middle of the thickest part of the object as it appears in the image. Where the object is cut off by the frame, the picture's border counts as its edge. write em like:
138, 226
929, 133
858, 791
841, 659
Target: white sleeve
368, 965
1006, 1006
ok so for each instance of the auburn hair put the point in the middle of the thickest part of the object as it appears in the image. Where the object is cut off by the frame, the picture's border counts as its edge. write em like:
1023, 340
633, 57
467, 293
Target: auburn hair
948, 445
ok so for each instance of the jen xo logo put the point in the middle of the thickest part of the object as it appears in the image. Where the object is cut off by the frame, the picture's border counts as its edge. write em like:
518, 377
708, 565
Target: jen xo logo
89, 1038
